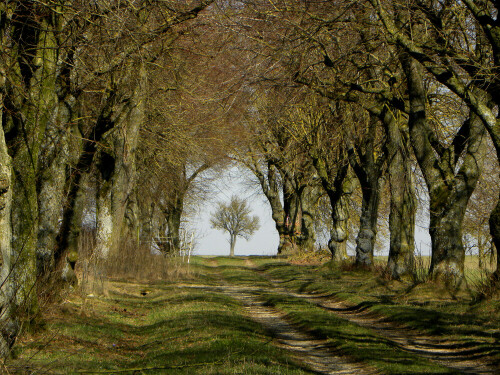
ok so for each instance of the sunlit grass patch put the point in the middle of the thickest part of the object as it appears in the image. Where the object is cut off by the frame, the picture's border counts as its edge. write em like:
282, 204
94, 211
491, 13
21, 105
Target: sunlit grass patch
169, 330
359, 343
428, 307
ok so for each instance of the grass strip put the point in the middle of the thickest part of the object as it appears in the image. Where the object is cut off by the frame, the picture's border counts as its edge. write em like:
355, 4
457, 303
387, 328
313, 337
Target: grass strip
359, 343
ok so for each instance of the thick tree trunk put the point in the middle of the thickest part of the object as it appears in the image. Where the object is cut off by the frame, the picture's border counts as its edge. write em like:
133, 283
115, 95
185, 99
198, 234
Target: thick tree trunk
403, 201
118, 167
104, 220
70, 247
340, 216
368, 169
8, 323
449, 191
31, 120
365, 241
308, 202
174, 225
53, 166
66, 253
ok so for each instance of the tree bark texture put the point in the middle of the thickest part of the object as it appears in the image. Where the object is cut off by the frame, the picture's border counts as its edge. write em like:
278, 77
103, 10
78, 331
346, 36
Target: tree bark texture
449, 191
403, 199
117, 163
33, 111
367, 166
8, 323
53, 166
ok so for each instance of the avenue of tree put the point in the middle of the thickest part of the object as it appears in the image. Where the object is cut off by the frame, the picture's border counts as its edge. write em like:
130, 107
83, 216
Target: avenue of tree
116, 115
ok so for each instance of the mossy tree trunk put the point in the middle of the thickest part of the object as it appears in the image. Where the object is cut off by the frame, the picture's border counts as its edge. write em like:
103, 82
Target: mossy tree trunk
32, 103
8, 322
54, 160
403, 198
117, 161
366, 159
450, 177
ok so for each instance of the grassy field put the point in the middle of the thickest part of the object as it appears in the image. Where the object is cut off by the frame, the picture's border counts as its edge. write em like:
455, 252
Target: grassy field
183, 327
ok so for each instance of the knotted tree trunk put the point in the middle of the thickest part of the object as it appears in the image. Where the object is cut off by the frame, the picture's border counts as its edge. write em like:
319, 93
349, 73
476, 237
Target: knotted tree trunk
367, 162
449, 191
403, 206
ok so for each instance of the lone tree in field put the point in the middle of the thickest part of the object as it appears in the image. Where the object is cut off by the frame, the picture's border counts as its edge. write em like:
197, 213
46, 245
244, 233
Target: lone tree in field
235, 218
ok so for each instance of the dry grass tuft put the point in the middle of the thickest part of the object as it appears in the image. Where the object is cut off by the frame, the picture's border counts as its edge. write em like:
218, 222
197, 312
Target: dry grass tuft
133, 263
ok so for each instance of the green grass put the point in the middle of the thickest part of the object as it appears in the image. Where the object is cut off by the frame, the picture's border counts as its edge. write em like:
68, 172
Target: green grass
194, 331
171, 330
361, 344
428, 307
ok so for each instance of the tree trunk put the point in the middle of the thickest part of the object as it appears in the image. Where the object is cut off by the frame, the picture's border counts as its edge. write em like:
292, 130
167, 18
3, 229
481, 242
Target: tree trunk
30, 120
368, 169
174, 224
338, 187
365, 242
308, 202
449, 191
8, 323
118, 166
495, 234
340, 216
403, 196
270, 187
70, 246
232, 243
53, 166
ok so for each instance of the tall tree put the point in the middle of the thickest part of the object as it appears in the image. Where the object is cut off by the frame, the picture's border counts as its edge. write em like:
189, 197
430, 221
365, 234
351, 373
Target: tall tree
460, 49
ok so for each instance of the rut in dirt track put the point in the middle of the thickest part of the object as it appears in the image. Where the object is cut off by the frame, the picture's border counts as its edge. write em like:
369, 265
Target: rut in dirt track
467, 359
315, 353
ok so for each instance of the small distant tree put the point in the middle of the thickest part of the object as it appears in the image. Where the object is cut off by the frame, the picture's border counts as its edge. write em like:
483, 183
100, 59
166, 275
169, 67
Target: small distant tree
235, 218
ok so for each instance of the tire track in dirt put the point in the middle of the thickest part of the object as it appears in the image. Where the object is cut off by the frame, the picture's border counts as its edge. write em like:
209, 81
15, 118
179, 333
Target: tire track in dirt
317, 354
468, 359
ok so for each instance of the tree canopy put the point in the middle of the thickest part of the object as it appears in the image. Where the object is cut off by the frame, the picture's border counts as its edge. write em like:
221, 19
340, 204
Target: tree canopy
236, 219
